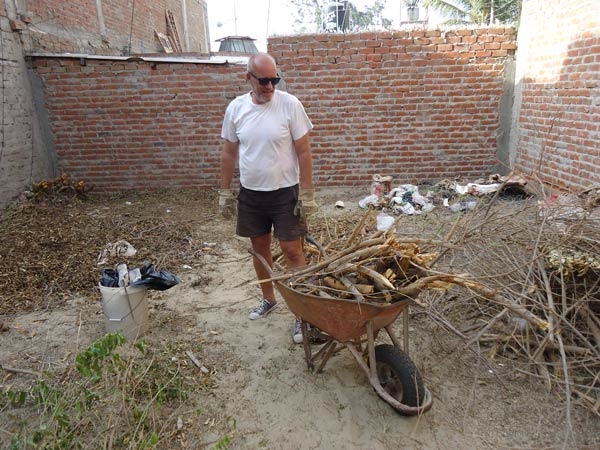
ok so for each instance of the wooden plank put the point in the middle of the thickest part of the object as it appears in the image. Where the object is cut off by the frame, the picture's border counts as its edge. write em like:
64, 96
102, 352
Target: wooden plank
172, 32
164, 41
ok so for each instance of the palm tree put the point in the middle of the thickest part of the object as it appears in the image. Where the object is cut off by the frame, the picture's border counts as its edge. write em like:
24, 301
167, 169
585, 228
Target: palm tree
483, 12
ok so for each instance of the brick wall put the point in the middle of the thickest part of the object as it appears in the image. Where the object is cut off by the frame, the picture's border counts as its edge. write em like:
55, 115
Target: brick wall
557, 128
79, 26
122, 125
421, 105
418, 105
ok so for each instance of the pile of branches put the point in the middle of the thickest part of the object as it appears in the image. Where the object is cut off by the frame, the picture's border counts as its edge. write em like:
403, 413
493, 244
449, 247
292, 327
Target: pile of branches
542, 256
380, 270
519, 279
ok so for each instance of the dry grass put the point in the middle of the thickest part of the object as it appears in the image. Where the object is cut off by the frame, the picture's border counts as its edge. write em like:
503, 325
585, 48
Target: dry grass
539, 310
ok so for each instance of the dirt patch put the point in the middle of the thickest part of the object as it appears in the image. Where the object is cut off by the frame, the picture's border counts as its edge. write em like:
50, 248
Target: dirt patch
261, 394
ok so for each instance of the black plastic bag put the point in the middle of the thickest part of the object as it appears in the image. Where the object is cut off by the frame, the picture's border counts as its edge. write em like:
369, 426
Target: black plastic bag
110, 278
160, 280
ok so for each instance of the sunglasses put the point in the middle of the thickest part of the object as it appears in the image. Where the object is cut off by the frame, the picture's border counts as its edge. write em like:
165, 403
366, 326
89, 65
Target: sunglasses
265, 81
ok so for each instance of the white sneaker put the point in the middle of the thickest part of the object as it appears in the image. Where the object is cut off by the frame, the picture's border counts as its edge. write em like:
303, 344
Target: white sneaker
297, 335
262, 310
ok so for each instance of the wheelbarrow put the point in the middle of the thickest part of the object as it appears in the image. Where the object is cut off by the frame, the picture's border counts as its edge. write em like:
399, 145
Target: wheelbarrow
355, 325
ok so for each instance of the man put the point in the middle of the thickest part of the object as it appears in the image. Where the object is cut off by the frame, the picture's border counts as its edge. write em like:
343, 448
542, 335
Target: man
266, 132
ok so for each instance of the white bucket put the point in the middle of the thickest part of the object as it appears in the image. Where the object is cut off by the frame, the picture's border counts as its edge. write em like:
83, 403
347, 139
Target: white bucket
125, 309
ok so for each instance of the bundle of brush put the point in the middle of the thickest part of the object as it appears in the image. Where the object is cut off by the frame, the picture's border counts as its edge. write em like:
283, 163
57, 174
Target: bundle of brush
382, 269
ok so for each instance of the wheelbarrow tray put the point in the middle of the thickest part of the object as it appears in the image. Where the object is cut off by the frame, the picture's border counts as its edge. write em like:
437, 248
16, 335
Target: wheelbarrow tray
344, 320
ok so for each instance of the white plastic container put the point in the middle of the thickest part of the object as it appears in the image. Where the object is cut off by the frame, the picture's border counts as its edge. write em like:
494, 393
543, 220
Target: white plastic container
126, 309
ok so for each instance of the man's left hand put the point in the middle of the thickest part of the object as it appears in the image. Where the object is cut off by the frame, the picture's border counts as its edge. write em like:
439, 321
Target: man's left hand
306, 205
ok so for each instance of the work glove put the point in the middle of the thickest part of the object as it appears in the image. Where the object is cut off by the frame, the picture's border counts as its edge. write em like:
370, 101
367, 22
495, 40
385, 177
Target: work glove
306, 204
227, 198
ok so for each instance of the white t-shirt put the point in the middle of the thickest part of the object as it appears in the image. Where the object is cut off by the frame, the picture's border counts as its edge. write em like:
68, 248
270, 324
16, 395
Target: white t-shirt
266, 133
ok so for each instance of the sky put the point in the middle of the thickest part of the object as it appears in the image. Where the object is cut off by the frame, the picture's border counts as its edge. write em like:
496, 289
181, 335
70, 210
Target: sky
260, 19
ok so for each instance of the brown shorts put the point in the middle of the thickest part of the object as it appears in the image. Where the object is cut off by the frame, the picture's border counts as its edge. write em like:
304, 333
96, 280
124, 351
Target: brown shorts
260, 212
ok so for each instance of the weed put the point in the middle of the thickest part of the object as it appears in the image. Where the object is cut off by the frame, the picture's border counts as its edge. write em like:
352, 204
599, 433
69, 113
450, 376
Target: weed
115, 396
223, 444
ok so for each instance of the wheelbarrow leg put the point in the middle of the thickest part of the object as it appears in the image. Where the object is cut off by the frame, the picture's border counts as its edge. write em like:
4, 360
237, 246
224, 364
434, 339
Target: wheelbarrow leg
327, 350
324, 352
395, 339
405, 328
306, 345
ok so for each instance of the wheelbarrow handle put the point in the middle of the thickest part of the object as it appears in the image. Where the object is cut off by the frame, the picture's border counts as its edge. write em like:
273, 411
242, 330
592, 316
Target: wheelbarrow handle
311, 239
262, 260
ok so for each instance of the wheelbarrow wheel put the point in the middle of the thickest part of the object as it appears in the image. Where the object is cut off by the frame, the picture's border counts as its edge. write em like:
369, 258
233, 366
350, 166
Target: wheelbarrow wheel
399, 376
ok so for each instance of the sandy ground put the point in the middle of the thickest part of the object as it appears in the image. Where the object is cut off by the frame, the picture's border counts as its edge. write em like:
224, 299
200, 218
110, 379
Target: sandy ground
267, 399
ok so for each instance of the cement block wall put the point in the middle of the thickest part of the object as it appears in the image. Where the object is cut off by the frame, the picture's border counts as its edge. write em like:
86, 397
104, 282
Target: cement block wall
556, 129
418, 105
25, 152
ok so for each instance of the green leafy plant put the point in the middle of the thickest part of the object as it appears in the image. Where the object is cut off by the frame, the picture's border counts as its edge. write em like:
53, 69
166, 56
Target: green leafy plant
132, 393
90, 362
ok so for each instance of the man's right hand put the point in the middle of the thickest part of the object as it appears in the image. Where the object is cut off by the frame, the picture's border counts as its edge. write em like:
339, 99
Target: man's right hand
227, 199
306, 204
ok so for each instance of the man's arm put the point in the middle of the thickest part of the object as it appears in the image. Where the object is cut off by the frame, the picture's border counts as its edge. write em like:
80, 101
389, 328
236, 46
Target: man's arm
229, 157
304, 154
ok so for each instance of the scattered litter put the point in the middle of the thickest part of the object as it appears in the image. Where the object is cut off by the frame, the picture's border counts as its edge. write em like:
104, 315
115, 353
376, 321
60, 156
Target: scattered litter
384, 221
340, 204
368, 200
406, 198
461, 205
148, 276
118, 249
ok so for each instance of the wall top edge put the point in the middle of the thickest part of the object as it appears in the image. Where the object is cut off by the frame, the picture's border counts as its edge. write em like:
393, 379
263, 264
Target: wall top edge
133, 58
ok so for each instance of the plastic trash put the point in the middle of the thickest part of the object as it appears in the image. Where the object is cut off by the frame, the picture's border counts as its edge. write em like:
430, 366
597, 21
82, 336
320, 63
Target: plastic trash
159, 280
463, 206
109, 278
384, 221
407, 208
134, 275
147, 276
368, 200
123, 273
118, 249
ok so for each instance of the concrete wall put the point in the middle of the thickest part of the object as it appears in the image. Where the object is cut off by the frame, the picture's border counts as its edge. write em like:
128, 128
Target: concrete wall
556, 127
25, 152
418, 105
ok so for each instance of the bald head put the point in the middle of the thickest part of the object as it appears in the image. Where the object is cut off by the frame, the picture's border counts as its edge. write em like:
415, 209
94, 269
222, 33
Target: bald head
261, 61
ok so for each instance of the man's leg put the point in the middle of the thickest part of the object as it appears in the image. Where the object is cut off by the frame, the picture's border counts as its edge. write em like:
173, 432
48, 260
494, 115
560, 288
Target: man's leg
262, 246
293, 253
294, 258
